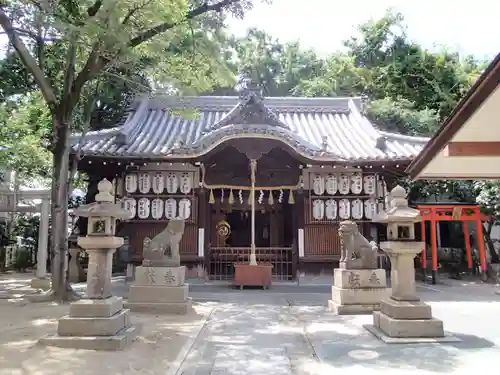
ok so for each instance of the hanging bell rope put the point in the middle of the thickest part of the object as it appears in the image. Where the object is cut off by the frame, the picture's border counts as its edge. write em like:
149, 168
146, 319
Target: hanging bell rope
211, 198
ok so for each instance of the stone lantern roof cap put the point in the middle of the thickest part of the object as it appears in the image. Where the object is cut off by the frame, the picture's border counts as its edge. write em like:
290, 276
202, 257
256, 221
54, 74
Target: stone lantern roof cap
104, 206
399, 211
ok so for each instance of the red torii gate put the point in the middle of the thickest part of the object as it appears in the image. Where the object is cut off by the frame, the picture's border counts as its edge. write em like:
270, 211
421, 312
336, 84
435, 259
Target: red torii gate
450, 212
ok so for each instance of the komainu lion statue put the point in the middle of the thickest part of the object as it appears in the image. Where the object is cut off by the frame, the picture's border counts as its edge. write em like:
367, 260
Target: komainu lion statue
356, 251
163, 249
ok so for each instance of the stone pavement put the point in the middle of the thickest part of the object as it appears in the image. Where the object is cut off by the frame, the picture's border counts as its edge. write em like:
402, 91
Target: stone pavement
161, 345
287, 330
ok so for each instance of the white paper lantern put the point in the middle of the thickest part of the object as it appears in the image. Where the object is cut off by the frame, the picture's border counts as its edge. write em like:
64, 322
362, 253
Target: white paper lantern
186, 182
331, 209
130, 205
369, 184
357, 209
143, 208
370, 208
318, 184
331, 184
131, 183
156, 209
356, 183
344, 184
184, 209
344, 209
158, 183
144, 183
318, 209
170, 208
172, 183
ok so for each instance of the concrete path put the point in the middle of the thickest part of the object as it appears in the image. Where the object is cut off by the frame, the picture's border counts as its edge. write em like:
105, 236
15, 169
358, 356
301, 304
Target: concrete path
285, 332
250, 338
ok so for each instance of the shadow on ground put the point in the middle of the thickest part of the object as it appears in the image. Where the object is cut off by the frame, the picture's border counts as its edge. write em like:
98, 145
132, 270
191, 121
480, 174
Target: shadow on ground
256, 338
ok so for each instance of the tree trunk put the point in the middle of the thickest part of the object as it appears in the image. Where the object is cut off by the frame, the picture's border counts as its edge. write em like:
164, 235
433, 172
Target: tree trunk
487, 238
61, 288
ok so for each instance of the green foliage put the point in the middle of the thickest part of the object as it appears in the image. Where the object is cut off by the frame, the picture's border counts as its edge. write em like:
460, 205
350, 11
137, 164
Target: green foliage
24, 131
489, 198
401, 116
105, 53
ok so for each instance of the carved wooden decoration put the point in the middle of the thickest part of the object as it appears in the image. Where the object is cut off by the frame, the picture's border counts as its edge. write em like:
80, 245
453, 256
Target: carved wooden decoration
274, 168
158, 183
186, 182
172, 183
170, 208
357, 209
318, 184
356, 183
331, 184
144, 183
143, 210
184, 209
130, 205
369, 184
318, 209
344, 184
344, 209
331, 209
370, 208
156, 209
131, 183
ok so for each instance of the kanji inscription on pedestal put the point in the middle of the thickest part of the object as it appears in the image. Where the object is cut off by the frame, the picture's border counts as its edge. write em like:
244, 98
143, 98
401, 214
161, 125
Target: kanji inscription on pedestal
354, 280
169, 278
151, 275
374, 279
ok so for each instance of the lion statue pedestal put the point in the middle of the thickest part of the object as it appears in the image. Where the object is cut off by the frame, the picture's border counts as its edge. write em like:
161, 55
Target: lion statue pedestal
159, 283
358, 286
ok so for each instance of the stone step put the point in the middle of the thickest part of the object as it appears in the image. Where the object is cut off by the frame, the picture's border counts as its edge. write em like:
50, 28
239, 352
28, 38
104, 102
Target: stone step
116, 342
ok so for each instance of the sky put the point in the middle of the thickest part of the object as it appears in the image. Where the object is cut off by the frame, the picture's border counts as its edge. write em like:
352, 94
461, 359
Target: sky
465, 26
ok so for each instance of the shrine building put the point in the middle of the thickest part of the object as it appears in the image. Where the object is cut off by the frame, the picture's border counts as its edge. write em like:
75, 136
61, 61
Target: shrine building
317, 161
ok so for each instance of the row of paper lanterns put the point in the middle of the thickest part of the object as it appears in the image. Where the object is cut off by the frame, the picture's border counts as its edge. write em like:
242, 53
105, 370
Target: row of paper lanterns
343, 183
344, 209
158, 182
158, 208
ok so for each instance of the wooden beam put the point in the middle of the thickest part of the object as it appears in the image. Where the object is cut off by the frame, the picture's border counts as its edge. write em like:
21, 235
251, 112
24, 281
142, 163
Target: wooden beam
473, 149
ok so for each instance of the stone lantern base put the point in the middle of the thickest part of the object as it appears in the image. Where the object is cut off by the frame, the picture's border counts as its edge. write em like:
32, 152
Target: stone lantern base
42, 283
407, 322
357, 291
97, 324
159, 289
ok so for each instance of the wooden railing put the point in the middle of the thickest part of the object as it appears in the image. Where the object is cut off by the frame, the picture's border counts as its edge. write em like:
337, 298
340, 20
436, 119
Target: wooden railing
222, 259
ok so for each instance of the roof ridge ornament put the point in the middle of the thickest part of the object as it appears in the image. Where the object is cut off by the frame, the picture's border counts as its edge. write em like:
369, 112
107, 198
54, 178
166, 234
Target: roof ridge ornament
248, 89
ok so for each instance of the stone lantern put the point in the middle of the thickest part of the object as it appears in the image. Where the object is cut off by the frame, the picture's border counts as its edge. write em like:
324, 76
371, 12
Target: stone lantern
98, 322
403, 317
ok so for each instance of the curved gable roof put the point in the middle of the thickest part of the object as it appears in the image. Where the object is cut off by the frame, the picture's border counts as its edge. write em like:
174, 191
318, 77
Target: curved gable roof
320, 128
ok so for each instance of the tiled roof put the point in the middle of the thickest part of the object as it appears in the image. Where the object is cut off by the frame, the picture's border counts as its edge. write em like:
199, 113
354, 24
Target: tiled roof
318, 128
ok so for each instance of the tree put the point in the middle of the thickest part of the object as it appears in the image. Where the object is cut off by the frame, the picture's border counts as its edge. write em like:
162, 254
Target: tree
278, 68
94, 37
24, 128
488, 196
